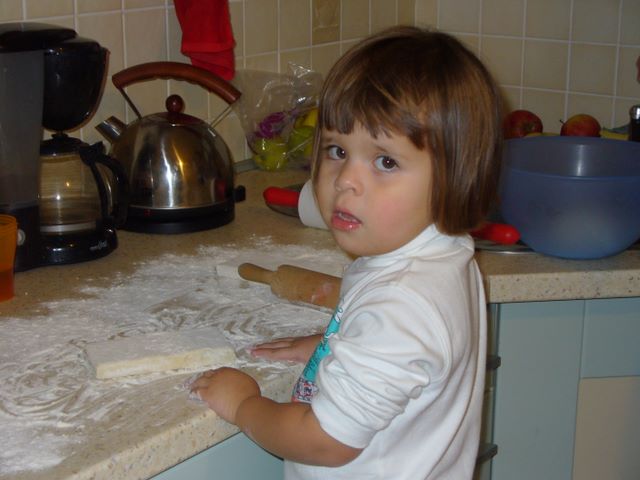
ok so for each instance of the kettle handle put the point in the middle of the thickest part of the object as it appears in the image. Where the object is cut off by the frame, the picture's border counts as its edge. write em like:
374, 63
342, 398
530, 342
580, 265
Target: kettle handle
93, 154
176, 71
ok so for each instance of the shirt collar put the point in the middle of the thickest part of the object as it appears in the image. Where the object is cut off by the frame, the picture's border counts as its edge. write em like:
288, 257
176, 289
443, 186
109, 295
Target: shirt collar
430, 242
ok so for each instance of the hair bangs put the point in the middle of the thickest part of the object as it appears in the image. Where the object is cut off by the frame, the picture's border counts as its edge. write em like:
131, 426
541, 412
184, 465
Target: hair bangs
362, 103
373, 106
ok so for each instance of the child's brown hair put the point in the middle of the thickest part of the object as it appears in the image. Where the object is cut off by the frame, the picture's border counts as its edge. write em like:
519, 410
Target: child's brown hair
427, 86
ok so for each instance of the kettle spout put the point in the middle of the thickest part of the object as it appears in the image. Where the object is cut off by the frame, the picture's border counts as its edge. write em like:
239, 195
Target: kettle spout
111, 129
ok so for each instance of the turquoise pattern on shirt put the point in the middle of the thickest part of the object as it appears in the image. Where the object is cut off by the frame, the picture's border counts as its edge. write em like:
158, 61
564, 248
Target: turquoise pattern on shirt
305, 387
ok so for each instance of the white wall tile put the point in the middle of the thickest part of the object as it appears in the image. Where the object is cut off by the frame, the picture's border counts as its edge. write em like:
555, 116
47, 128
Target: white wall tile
383, 14
260, 26
40, 9
595, 20
592, 68
294, 24
503, 17
11, 10
94, 6
630, 34
548, 19
459, 15
545, 64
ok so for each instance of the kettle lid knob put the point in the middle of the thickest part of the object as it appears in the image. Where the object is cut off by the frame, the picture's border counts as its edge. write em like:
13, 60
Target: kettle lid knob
174, 104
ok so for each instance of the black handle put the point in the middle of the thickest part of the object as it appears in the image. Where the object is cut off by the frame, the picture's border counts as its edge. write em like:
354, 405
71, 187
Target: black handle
486, 451
91, 155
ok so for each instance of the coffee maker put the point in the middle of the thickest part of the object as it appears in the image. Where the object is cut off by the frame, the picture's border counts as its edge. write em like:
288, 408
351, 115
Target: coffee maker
67, 196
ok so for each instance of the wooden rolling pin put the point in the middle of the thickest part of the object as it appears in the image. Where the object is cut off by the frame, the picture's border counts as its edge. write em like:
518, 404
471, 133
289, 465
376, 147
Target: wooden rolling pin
296, 284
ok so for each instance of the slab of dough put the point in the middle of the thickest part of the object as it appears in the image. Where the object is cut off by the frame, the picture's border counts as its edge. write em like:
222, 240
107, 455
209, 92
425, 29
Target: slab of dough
161, 351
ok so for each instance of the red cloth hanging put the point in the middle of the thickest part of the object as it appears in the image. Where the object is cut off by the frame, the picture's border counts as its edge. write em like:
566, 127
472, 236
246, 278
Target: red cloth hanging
207, 37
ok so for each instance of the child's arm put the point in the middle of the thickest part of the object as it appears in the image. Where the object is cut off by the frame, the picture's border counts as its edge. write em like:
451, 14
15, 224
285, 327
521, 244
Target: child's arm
296, 349
288, 430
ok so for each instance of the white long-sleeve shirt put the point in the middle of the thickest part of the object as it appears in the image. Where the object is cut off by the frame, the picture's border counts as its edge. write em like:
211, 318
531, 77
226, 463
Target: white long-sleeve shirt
400, 371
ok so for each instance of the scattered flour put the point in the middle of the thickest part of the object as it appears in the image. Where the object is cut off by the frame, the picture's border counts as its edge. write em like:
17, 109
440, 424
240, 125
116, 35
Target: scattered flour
49, 399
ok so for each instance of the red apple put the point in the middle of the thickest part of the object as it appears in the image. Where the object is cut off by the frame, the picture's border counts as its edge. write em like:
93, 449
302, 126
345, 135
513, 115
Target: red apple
520, 123
581, 125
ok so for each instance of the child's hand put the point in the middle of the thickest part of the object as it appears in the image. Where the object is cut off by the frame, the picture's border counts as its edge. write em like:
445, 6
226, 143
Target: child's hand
296, 349
224, 390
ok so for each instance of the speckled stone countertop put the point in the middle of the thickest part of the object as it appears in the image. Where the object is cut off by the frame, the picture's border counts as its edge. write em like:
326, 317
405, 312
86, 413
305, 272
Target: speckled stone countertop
152, 434
531, 277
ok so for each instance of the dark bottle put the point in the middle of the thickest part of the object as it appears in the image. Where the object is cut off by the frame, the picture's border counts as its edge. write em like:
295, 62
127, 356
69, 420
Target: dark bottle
634, 123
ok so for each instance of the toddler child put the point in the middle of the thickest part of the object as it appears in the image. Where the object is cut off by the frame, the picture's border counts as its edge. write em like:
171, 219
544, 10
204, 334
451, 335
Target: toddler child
406, 163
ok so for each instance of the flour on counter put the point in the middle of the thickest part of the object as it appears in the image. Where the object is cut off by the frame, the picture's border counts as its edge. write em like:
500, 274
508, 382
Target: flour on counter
50, 399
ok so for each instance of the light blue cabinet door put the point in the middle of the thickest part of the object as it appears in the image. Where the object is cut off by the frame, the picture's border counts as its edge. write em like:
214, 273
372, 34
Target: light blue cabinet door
611, 338
237, 458
537, 390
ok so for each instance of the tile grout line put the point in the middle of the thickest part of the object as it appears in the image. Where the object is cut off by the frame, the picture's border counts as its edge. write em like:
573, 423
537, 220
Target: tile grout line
616, 65
522, 54
567, 81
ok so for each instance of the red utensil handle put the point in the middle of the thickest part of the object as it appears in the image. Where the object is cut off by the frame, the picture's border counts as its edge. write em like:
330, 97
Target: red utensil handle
281, 196
498, 232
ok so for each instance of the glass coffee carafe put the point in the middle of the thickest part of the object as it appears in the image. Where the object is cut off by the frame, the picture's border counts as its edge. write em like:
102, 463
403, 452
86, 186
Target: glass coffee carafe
75, 195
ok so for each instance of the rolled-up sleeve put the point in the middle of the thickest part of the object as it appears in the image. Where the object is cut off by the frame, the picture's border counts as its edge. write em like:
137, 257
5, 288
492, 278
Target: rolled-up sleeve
391, 345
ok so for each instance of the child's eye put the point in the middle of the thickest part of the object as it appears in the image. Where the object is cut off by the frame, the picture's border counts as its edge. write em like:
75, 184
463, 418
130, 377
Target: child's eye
335, 152
385, 163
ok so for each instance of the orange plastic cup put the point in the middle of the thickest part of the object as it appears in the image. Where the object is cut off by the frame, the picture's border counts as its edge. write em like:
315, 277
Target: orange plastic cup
8, 240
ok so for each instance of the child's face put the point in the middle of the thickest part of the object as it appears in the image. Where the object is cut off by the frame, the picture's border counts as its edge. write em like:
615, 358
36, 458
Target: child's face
373, 193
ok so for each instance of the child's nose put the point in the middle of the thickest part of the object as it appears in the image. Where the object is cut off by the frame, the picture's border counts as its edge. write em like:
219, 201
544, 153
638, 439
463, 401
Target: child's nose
350, 177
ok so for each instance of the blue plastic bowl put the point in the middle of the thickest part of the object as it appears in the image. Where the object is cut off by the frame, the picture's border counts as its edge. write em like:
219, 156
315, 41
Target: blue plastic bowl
572, 197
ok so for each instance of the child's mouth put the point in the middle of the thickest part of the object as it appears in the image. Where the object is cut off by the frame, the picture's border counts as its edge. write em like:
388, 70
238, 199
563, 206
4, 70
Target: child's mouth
341, 220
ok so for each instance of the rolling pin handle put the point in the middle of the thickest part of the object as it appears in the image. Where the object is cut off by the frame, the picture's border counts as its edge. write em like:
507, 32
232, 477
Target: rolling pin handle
254, 273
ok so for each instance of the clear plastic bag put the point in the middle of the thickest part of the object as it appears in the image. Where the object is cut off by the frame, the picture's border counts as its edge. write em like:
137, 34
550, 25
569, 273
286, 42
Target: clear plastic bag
278, 113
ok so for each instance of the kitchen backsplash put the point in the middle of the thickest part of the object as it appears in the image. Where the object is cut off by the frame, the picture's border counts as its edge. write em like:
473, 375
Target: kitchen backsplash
555, 57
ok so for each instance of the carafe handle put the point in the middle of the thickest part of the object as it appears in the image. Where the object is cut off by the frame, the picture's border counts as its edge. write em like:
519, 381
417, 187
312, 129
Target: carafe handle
91, 155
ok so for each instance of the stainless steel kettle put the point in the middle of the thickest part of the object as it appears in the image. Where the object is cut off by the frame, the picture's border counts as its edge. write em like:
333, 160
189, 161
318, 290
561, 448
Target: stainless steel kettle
180, 170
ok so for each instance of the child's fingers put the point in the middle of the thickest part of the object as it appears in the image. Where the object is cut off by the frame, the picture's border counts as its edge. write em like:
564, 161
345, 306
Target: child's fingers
296, 349
202, 381
274, 353
291, 353
279, 343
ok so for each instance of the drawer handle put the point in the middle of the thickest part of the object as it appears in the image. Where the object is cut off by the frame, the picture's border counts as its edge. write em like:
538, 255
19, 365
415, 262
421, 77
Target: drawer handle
486, 452
493, 362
